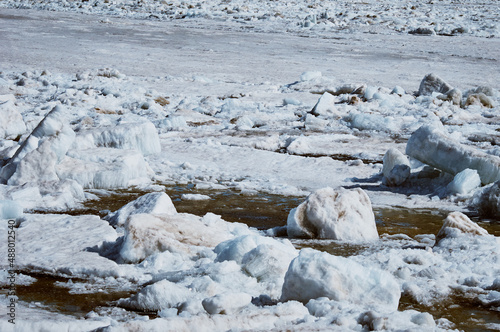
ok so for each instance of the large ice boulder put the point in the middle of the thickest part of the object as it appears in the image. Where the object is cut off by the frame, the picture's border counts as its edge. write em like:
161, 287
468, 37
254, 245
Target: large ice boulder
457, 223
340, 214
432, 83
12, 124
186, 234
396, 167
104, 168
140, 136
430, 145
52, 138
464, 182
314, 274
153, 203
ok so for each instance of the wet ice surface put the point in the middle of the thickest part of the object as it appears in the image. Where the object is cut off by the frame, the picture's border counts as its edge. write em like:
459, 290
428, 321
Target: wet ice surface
254, 106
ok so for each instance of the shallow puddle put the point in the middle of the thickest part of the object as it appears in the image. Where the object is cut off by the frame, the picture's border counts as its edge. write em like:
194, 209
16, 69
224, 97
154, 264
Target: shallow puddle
264, 211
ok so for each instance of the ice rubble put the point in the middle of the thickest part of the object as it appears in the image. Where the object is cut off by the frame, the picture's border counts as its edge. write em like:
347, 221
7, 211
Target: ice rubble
430, 145
226, 303
334, 214
386, 17
203, 269
54, 156
50, 140
325, 105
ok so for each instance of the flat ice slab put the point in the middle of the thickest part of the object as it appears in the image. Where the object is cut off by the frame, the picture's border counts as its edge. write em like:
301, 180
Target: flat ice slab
433, 147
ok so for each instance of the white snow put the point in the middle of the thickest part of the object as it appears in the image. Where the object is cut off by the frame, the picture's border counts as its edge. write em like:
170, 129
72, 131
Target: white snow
104, 168
158, 296
41, 151
53, 244
341, 214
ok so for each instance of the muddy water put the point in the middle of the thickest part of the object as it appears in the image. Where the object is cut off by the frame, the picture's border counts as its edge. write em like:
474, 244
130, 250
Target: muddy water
265, 211
46, 293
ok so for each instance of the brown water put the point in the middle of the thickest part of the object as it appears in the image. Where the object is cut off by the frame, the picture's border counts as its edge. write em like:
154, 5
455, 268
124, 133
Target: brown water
265, 211
47, 294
